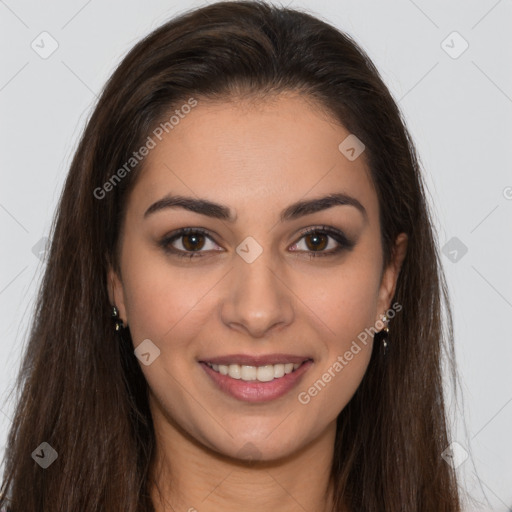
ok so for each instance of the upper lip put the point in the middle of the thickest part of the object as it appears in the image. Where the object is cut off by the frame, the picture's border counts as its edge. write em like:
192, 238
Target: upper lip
256, 360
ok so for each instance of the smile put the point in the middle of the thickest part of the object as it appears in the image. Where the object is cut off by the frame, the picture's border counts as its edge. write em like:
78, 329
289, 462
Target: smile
265, 373
256, 382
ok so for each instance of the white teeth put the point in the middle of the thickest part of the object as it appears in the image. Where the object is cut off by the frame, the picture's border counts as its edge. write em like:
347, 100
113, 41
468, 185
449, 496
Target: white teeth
251, 373
248, 372
234, 371
266, 373
278, 371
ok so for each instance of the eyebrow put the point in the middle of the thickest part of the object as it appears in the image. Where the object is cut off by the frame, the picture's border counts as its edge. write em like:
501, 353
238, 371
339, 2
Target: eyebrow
219, 211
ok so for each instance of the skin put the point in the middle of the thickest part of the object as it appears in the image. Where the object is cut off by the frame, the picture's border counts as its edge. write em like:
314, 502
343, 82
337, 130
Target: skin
255, 157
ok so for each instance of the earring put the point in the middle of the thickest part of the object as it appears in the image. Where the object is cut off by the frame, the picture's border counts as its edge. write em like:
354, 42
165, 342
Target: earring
385, 333
118, 323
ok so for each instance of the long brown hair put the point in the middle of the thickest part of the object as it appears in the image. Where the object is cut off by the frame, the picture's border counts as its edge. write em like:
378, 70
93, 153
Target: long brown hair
81, 389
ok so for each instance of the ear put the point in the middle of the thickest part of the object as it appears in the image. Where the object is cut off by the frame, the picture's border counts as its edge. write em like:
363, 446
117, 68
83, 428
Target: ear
390, 275
116, 294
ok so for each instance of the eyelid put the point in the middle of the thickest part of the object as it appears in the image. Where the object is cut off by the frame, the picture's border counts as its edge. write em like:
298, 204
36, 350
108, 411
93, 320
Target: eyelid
344, 243
166, 241
326, 229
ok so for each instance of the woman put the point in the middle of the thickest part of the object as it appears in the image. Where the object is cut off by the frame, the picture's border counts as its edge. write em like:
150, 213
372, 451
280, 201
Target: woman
242, 304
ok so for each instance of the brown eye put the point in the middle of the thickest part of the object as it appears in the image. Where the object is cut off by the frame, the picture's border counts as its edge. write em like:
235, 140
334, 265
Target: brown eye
188, 243
316, 241
193, 242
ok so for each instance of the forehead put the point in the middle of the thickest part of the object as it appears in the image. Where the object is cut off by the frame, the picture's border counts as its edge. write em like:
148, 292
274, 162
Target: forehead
254, 155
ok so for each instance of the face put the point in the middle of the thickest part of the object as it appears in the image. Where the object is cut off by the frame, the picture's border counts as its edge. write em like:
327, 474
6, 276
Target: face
252, 314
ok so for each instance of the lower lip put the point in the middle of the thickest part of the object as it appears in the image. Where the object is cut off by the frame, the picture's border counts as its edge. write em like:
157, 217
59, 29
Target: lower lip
256, 391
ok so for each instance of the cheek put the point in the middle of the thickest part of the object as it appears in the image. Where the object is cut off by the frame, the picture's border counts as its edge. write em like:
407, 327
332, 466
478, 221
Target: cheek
161, 297
348, 310
344, 302
333, 386
164, 305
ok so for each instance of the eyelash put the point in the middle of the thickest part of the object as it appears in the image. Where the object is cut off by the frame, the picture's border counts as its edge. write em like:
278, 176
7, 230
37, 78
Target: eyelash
338, 236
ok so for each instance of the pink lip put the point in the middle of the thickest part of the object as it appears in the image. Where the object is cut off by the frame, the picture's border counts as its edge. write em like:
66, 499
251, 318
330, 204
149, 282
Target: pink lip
255, 391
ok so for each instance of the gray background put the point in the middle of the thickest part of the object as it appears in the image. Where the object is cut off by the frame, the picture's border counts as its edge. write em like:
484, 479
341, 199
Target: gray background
458, 107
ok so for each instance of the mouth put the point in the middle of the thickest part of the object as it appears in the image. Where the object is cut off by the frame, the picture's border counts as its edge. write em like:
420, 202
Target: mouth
248, 373
256, 379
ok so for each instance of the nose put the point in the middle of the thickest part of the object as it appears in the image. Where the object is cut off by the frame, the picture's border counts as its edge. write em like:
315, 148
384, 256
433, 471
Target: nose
258, 299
